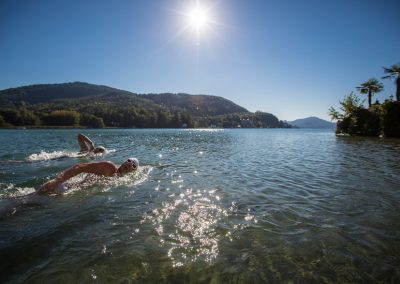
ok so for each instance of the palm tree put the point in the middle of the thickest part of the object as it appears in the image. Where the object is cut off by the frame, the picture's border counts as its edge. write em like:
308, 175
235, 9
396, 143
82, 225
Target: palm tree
370, 87
394, 72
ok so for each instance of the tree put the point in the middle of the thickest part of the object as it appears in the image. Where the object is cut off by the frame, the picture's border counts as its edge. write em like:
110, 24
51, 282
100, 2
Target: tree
10, 115
391, 119
361, 122
394, 73
162, 119
90, 120
176, 121
62, 118
354, 118
27, 117
370, 87
348, 105
20, 116
187, 119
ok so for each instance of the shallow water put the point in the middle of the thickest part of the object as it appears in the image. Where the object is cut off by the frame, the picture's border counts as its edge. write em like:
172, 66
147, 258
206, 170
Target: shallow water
221, 206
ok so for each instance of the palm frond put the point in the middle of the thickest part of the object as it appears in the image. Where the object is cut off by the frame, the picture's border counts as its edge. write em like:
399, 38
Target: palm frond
394, 70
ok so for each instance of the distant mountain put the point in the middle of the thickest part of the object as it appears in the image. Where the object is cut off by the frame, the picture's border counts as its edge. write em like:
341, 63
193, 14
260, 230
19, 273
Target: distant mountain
34, 94
82, 104
76, 94
312, 122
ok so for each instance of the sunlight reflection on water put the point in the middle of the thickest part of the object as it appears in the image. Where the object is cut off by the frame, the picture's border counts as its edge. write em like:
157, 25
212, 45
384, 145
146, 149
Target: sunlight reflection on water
187, 225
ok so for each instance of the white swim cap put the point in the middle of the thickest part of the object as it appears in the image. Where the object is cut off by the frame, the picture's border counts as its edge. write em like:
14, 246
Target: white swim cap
99, 149
134, 162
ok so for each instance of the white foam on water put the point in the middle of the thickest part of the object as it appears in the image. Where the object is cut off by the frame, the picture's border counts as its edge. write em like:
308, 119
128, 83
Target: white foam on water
10, 190
12, 198
43, 155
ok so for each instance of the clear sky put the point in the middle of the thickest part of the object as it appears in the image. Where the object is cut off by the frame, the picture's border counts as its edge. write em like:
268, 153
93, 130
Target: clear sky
291, 58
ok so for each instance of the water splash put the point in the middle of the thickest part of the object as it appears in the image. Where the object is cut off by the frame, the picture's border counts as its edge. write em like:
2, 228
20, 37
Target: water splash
207, 130
44, 156
13, 197
9, 190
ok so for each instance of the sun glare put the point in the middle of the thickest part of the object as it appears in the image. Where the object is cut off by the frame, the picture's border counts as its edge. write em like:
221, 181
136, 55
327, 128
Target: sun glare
198, 18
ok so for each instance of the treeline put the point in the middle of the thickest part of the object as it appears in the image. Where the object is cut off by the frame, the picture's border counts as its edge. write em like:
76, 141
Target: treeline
243, 120
133, 118
21, 116
379, 119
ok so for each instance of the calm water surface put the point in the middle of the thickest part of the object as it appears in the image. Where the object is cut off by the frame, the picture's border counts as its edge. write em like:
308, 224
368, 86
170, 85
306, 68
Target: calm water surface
220, 206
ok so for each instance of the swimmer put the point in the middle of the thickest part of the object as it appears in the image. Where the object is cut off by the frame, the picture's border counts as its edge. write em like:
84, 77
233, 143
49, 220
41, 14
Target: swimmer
103, 168
9, 207
87, 146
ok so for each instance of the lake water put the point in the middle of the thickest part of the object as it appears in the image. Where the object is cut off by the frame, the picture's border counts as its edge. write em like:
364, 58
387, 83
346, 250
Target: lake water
206, 206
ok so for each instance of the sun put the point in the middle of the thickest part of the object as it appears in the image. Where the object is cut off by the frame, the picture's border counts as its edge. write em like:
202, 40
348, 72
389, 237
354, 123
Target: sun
198, 18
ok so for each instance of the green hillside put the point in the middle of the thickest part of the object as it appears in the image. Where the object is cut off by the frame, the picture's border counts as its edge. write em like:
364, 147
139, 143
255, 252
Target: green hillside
83, 104
35, 94
197, 105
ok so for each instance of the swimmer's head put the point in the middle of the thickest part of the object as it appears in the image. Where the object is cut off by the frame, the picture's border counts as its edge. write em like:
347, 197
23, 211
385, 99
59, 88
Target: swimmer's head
99, 150
128, 166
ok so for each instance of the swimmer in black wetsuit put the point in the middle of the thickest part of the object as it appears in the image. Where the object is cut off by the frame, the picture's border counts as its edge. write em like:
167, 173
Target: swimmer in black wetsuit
87, 146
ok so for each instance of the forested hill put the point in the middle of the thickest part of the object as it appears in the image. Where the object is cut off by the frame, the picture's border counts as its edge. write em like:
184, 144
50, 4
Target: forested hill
197, 105
83, 104
53, 93
42, 93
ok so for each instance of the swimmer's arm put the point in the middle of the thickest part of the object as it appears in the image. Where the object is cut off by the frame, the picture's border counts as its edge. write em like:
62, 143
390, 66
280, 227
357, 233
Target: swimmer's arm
99, 168
85, 143
103, 168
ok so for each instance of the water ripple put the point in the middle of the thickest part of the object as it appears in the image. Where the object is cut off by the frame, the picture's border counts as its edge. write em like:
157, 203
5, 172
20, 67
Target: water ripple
225, 206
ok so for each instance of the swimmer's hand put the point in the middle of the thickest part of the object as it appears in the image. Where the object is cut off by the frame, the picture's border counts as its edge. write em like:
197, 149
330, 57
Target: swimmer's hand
50, 186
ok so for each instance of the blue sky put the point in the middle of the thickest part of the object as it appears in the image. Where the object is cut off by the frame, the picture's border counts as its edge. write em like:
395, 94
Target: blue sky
291, 58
